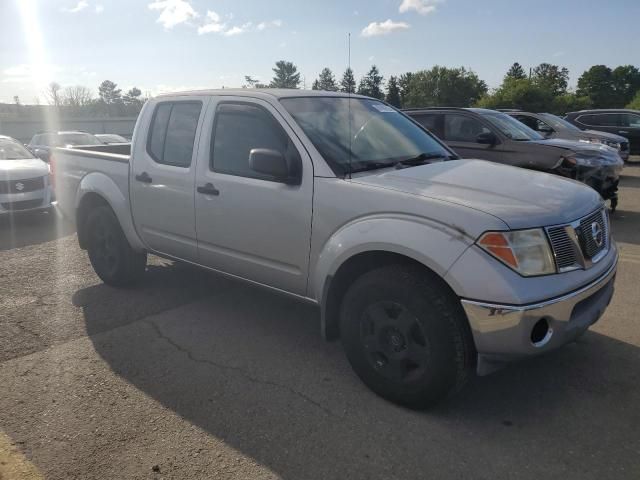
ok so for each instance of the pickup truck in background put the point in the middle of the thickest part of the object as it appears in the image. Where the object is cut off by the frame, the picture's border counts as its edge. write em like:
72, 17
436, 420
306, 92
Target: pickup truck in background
425, 266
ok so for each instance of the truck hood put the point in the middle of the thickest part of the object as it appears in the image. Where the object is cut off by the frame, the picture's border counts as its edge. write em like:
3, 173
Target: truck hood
23, 169
520, 198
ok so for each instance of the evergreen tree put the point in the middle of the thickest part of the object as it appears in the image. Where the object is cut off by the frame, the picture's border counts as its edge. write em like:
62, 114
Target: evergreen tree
315, 85
286, 75
348, 82
393, 92
371, 84
326, 81
110, 93
405, 86
516, 72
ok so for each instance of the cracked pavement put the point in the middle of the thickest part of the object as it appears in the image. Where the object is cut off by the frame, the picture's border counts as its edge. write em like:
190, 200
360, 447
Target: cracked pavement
192, 376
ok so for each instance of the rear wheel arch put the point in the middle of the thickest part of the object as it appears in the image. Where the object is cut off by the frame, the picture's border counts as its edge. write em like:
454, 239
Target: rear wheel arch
336, 285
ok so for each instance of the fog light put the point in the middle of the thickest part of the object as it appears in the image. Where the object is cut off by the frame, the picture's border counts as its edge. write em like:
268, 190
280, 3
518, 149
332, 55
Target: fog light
541, 333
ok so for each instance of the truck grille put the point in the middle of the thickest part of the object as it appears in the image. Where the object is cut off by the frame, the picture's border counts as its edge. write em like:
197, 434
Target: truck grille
21, 186
582, 243
593, 234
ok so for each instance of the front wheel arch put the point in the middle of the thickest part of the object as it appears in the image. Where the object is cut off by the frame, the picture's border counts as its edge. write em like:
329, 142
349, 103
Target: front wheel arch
337, 284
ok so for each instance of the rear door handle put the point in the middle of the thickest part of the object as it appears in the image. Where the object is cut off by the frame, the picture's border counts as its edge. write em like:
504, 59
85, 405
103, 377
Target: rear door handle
144, 178
208, 189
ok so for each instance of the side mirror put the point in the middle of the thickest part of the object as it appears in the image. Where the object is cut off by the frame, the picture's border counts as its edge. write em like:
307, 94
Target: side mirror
271, 163
41, 154
487, 138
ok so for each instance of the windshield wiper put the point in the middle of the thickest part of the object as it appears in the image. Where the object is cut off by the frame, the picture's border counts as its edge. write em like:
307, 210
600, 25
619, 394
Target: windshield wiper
421, 159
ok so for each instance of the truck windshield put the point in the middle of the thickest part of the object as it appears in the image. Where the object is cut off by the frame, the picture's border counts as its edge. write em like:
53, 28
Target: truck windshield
377, 136
13, 151
511, 128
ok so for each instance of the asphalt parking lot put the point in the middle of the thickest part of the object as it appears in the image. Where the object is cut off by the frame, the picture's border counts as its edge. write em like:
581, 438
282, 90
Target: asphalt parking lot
193, 376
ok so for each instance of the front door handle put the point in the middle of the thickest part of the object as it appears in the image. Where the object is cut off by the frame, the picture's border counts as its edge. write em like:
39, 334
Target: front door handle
144, 178
208, 189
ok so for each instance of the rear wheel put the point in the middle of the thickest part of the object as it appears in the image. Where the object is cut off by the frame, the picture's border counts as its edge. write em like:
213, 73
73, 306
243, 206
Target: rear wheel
406, 335
112, 258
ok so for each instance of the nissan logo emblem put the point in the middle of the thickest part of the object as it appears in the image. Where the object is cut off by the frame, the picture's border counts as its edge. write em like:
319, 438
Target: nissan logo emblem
596, 234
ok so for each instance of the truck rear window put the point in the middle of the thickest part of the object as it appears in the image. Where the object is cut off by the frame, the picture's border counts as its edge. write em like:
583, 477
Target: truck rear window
173, 132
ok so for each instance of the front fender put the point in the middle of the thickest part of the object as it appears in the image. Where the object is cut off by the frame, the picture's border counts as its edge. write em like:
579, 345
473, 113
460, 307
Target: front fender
100, 184
433, 244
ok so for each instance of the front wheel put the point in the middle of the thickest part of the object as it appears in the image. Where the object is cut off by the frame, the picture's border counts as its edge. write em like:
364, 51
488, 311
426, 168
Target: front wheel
406, 335
111, 256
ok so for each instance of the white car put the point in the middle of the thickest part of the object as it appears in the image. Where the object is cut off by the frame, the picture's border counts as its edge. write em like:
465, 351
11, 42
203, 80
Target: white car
24, 179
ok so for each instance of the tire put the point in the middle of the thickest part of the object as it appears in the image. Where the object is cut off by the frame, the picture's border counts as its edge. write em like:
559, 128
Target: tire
406, 335
111, 256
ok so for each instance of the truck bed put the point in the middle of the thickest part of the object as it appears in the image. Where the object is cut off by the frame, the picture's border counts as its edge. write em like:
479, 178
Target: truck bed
71, 166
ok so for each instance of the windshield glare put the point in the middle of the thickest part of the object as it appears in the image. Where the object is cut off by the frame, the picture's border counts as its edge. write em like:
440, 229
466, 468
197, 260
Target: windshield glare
376, 136
77, 139
511, 128
13, 151
557, 122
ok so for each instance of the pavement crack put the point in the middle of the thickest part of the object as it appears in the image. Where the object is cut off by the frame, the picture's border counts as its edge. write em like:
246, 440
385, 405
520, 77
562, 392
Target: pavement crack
239, 370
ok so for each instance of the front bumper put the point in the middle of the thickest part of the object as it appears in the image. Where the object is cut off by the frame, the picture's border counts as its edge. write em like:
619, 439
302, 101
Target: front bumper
506, 332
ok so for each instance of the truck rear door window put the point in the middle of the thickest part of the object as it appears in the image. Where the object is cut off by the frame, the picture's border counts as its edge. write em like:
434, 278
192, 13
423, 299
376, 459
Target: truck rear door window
173, 132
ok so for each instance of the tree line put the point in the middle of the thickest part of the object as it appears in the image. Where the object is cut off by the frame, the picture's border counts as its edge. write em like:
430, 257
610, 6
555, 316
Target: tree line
78, 101
544, 89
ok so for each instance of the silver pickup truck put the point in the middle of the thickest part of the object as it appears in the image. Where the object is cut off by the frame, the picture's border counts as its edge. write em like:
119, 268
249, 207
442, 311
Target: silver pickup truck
425, 266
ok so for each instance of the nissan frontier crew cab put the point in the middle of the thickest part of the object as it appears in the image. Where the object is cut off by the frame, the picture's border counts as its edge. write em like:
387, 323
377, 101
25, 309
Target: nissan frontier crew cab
425, 266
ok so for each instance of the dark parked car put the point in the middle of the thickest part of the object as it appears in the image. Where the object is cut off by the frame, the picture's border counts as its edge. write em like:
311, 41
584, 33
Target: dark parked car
497, 137
621, 122
42, 143
552, 126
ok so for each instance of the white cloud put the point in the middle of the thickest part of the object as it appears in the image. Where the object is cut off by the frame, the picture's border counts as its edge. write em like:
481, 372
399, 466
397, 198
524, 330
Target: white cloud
99, 9
173, 12
238, 30
213, 24
81, 5
559, 54
383, 28
423, 7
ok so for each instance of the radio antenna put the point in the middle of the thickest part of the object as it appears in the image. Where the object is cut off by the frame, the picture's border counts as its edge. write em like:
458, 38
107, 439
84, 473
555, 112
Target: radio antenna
349, 101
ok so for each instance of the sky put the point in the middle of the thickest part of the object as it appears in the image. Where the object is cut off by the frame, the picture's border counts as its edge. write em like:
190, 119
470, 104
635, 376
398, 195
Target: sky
171, 45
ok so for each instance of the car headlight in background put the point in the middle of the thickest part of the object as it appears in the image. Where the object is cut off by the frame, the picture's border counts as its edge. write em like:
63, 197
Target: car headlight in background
606, 157
608, 143
525, 251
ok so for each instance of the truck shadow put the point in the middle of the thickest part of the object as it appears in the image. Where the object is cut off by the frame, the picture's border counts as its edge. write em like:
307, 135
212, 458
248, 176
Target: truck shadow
249, 368
24, 230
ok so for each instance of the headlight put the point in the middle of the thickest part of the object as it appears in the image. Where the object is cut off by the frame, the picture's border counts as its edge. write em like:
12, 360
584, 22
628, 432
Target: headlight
525, 251
585, 161
590, 140
612, 144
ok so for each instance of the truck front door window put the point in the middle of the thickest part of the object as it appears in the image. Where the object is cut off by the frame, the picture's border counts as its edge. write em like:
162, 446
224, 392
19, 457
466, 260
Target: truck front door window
238, 129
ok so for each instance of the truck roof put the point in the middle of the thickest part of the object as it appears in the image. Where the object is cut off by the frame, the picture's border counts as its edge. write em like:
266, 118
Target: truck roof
271, 92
